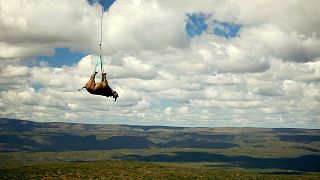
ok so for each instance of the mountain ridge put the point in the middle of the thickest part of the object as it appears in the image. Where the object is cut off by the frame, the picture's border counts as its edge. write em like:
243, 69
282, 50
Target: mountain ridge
20, 135
149, 126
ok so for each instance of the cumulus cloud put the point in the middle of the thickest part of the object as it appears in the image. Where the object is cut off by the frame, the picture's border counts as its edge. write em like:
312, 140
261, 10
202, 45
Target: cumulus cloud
296, 15
286, 46
133, 25
29, 29
268, 75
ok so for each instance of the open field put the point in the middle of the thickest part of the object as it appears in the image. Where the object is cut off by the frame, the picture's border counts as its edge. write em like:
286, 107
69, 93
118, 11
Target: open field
47, 149
133, 170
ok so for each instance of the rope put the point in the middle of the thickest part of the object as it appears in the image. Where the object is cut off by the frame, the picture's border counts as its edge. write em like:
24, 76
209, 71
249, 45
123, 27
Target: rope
100, 46
97, 63
100, 43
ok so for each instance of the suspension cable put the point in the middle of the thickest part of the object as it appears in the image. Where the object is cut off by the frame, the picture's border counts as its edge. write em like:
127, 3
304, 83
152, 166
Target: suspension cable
101, 30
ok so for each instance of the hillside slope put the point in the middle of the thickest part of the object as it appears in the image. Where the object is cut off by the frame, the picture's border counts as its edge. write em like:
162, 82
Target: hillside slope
18, 135
257, 149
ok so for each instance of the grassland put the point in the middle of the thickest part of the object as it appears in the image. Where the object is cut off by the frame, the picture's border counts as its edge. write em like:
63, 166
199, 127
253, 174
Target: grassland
131, 170
30, 150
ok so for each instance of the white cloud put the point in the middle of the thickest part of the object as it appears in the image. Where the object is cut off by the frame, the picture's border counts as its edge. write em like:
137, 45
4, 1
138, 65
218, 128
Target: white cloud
29, 29
290, 46
168, 110
134, 25
268, 76
132, 67
15, 71
289, 15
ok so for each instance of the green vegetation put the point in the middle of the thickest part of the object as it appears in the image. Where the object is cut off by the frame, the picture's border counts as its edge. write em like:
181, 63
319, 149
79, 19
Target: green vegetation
31, 150
131, 170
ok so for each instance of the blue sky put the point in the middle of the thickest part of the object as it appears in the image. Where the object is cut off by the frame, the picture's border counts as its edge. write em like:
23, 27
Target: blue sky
63, 56
106, 3
197, 24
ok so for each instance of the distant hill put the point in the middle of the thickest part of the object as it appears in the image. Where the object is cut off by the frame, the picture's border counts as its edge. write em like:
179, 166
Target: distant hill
20, 135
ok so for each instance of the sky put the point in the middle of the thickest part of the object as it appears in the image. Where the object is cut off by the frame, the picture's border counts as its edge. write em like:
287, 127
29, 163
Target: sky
208, 63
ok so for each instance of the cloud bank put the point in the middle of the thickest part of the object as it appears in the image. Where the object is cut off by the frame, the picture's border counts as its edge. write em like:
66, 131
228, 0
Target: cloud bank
268, 75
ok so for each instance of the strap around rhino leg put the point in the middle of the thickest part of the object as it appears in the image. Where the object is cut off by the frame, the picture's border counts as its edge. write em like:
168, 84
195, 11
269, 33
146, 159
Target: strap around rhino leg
93, 76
